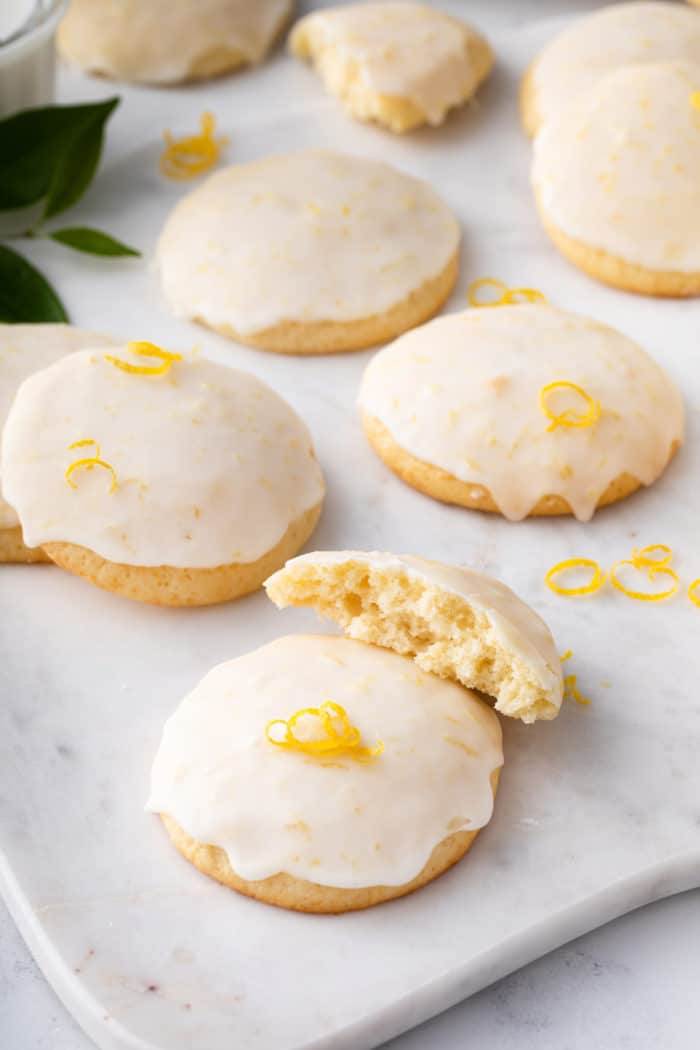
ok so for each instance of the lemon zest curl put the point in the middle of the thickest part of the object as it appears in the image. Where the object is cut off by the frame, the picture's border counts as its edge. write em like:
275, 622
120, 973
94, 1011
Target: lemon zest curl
89, 462
333, 743
571, 690
144, 349
569, 418
694, 592
643, 557
598, 579
506, 296
652, 572
188, 157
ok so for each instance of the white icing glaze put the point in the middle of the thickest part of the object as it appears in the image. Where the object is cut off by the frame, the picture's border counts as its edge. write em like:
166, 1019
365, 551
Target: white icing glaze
619, 170
573, 62
403, 50
462, 393
212, 465
26, 348
160, 41
305, 237
349, 824
519, 628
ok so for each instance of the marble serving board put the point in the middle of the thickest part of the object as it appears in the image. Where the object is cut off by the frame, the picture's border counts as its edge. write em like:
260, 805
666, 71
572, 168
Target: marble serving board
598, 812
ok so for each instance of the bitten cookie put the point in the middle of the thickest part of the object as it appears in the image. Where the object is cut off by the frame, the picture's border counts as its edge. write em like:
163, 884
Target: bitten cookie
573, 63
399, 64
456, 623
169, 41
524, 410
27, 348
616, 178
324, 775
309, 253
162, 477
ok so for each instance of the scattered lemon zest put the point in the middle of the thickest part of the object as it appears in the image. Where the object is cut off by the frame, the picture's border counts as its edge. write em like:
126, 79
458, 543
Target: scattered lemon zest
89, 462
651, 572
569, 418
695, 100
571, 690
507, 296
144, 349
642, 557
333, 743
597, 581
188, 157
567, 656
694, 592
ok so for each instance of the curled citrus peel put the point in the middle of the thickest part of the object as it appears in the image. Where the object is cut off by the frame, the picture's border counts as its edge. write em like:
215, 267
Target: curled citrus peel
188, 157
143, 349
645, 557
332, 743
694, 592
567, 656
569, 418
652, 572
571, 690
506, 296
596, 582
89, 462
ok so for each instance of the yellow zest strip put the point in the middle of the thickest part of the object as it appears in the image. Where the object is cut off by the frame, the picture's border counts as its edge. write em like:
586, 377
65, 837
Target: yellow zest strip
569, 418
190, 156
571, 690
652, 572
143, 349
694, 592
332, 743
695, 100
643, 558
89, 463
567, 656
506, 296
596, 583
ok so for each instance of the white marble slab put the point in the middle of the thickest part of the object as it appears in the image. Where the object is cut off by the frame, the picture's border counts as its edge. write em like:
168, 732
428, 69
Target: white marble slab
598, 812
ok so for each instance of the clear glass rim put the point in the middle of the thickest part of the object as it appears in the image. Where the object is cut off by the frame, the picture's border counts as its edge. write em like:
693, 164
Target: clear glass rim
43, 23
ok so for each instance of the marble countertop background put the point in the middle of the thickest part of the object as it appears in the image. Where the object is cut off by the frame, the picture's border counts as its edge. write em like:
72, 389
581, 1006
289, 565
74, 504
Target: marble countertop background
633, 983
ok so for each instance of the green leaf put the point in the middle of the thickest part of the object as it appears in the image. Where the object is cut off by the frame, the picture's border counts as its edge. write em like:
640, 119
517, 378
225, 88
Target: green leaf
25, 295
94, 242
50, 152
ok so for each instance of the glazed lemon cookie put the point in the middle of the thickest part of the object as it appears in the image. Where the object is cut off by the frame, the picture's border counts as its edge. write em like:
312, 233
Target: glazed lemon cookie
399, 64
324, 775
168, 41
456, 623
574, 62
27, 348
616, 177
309, 253
524, 410
162, 477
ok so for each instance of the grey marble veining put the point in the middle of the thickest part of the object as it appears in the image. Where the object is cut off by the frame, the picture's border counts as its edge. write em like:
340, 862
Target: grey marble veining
598, 811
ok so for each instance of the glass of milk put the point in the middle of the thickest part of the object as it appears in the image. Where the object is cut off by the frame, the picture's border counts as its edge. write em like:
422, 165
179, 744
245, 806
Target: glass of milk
27, 59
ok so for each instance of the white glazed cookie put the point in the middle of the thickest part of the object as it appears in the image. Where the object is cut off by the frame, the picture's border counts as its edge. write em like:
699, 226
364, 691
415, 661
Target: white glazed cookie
168, 41
455, 622
455, 409
616, 177
310, 252
325, 834
205, 475
27, 348
400, 64
573, 63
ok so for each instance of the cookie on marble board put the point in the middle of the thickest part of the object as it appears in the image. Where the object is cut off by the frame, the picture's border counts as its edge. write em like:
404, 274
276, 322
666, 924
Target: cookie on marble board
521, 410
398, 64
24, 349
616, 176
312, 252
456, 623
169, 41
159, 476
287, 774
578, 57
